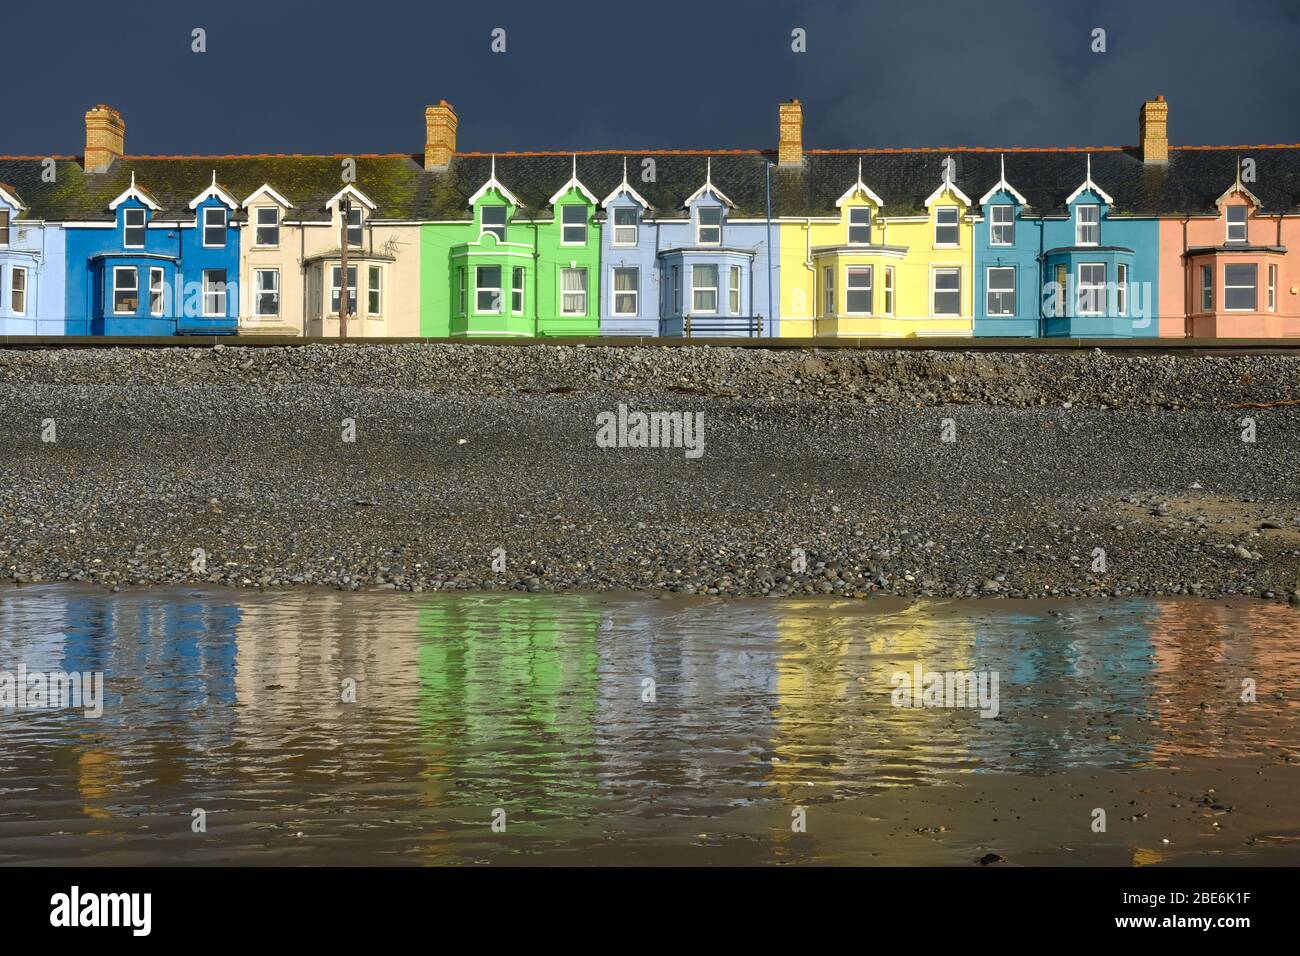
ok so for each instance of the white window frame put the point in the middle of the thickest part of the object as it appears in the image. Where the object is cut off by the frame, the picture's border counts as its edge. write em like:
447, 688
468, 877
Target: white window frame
701, 225
6, 223
1228, 225
118, 287
258, 292
222, 293
127, 225
616, 293
566, 225
733, 290
714, 289
258, 226
336, 288
620, 228
849, 274
158, 287
462, 291
520, 275
586, 290
889, 290
1272, 287
15, 293
485, 226
940, 212
480, 289
1121, 288
374, 291
995, 225
677, 290
1253, 287
1080, 224
207, 212
990, 291
360, 227
828, 291
1207, 287
854, 211
935, 272
1095, 290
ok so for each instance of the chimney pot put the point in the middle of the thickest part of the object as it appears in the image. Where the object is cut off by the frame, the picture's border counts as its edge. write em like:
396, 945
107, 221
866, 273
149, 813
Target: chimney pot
439, 135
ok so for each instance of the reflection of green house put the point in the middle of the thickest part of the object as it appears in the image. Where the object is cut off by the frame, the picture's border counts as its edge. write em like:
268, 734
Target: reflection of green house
493, 263
508, 675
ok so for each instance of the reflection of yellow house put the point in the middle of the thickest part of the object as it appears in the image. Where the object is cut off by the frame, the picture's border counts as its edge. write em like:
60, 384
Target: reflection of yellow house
868, 271
834, 716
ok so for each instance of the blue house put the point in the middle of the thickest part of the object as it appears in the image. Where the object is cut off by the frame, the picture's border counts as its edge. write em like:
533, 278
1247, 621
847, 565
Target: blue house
141, 265
1071, 266
690, 265
32, 266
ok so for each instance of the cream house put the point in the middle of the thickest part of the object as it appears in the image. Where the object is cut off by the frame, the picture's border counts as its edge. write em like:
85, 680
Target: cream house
291, 247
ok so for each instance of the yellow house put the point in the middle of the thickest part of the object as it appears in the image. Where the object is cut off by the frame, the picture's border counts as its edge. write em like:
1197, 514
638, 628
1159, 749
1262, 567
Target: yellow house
876, 269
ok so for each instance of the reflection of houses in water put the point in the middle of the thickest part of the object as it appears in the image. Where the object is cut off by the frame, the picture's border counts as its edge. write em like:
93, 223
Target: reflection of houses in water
713, 668
1203, 652
835, 722
317, 670
167, 665
508, 681
1081, 670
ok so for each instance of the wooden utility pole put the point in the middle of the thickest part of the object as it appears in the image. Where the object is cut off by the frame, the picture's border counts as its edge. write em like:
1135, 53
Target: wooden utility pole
345, 210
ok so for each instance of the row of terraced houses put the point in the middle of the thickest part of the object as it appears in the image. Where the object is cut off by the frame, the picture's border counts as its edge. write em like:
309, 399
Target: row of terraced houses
1145, 241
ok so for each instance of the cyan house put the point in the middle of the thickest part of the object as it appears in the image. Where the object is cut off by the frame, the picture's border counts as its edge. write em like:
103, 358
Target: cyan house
1083, 264
32, 265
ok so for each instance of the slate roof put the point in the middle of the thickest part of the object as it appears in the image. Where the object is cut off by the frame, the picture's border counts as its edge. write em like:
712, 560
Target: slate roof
403, 191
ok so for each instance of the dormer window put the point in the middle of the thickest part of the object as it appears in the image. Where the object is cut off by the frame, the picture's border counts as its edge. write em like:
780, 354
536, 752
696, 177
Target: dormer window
860, 226
133, 228
494, 221
1002, 225
355, 222
945, 226
268, 227
574, 225
708, 231
1087, 225
625, 226
1236, 223
214, 226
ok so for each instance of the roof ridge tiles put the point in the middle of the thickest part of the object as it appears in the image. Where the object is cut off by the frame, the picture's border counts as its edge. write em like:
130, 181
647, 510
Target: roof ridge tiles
484, 154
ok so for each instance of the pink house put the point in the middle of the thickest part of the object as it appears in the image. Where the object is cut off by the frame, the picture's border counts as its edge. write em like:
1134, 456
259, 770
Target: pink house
1231, 269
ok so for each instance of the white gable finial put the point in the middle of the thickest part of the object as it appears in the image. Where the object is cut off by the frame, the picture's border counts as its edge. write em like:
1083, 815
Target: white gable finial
1002, 166
708, 171
859, 169
575, 166
133, 179
494, 165
214, 177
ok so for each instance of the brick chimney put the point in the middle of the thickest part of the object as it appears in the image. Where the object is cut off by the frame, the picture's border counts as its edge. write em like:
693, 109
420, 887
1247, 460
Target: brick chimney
439, 135
105, 138
1153, 130
790, 134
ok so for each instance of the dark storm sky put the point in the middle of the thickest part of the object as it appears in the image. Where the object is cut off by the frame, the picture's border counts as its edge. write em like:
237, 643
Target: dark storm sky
327, 76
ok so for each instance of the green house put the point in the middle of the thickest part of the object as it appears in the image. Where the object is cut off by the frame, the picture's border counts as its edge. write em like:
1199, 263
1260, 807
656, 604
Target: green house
502, 258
